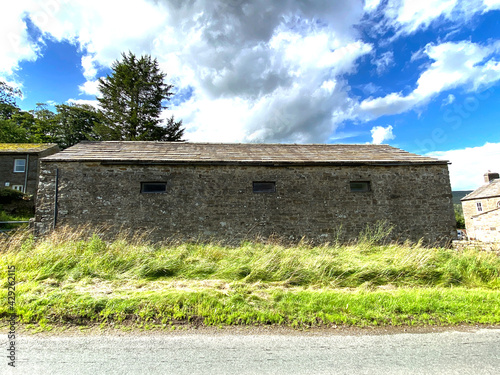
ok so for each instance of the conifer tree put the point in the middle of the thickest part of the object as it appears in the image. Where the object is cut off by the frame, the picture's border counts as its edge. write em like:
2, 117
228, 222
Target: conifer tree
133, 98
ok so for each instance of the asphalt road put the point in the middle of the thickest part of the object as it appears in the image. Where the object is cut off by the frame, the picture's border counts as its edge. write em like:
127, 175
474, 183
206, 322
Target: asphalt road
448, 352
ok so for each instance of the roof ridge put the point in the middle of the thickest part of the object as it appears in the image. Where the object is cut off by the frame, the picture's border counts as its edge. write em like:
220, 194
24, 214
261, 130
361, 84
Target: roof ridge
243, 143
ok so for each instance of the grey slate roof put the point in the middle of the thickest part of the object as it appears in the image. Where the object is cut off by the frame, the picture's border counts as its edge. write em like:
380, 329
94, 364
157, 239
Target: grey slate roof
237, 153
491, 189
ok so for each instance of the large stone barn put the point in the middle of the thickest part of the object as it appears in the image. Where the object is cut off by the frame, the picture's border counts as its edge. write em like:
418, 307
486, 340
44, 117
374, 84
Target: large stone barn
231, 192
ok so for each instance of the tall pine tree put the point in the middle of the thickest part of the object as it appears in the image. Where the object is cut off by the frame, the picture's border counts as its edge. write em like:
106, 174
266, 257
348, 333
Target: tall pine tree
133, 97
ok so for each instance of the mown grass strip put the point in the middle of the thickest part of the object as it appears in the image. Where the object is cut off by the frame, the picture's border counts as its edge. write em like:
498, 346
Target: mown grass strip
297, 308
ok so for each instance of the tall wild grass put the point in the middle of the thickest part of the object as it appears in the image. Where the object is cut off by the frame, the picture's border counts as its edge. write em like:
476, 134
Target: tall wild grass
69, 255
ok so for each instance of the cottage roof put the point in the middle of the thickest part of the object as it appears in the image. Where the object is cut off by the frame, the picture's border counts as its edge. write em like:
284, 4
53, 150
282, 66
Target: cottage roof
25, 148
237, 153
491, 189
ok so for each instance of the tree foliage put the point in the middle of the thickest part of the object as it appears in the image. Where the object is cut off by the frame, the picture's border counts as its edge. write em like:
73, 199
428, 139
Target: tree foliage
10, 132
8, 94
459, 216
133, 98
44, 128
68, 126
76, 123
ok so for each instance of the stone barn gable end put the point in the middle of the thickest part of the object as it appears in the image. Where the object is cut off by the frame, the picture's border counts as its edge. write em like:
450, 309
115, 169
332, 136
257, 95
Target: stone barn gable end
231, 192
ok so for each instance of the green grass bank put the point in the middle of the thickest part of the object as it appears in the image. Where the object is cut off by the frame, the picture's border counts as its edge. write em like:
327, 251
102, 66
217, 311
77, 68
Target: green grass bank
71, 278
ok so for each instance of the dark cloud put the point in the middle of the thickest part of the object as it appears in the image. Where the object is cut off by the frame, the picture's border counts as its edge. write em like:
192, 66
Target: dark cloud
245, 50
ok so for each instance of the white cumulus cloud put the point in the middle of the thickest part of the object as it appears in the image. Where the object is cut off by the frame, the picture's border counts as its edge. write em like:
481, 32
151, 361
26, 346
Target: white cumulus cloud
15, 43
371, 5
256, 70
462, 64
408, 16
90, 88
381, 134
492, 4
468, 165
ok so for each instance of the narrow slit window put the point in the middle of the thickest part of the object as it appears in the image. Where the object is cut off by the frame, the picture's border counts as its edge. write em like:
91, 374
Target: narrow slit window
153, 187
264, 187
360, 186
19, 165
479, 206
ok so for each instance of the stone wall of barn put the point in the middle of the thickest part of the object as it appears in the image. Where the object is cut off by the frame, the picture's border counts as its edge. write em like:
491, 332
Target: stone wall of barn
217, 202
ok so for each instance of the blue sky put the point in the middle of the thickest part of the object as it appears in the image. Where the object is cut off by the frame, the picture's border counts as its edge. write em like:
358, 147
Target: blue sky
422, 75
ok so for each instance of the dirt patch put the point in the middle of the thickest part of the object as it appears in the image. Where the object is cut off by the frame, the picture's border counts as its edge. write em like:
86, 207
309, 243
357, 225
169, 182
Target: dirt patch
493, 247
194, 328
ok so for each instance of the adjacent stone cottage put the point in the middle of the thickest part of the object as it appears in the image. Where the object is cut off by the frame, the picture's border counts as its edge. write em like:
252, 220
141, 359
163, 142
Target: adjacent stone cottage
19, 164
482, 210
231, 192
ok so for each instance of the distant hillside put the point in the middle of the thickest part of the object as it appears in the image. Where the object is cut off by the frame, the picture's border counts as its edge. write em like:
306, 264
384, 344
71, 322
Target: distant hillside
457, 195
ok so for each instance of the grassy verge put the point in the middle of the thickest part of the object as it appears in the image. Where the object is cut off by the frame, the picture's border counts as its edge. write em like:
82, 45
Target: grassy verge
4, 216
66, 279
15, 206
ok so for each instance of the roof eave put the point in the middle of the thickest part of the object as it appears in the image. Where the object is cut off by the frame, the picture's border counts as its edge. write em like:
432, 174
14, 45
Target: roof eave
480, 197
248, 162
50, 146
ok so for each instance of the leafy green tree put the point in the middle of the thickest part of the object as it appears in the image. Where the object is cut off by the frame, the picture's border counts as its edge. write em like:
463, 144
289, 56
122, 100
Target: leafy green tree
76, 123
7, 111
24, 120
8, 94
44, 127
15, 125
36, 126
459, 216
12, 129
10, 132
133, 98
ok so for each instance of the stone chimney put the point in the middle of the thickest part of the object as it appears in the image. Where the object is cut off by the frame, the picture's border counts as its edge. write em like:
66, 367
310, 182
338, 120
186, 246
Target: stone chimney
490, 176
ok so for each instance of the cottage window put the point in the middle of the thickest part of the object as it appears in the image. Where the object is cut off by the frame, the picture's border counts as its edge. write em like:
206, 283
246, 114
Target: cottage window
498, 204
153, 187
360, 186
19, 165
479, 206
18, 188
264, 187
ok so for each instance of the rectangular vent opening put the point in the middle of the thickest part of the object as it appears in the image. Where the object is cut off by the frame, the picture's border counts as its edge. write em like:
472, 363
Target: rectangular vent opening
153, 187
264, 187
